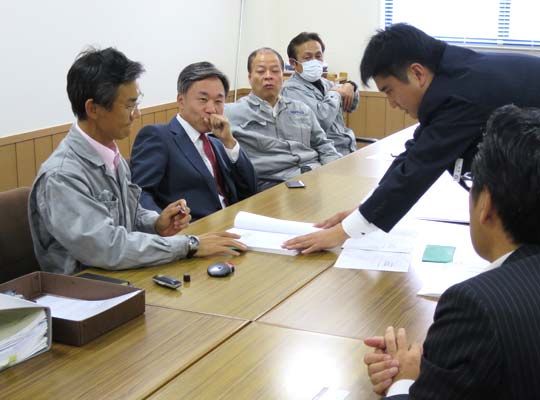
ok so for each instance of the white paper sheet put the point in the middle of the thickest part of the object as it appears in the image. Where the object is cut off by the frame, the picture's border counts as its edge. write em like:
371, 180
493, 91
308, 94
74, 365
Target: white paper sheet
381, 251
79, 310
400, 240
373, 260
437, 277
446, 200
268, 242
256, 222
383, 156
262, 233
327, 393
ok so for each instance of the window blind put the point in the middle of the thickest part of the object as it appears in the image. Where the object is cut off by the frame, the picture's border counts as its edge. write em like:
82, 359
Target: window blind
501, 23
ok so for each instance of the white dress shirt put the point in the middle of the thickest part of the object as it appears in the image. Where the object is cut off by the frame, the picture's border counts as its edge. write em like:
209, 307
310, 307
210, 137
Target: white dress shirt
194, 135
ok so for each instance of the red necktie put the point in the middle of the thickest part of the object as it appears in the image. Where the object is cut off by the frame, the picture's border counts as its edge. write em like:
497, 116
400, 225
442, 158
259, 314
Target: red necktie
207, 147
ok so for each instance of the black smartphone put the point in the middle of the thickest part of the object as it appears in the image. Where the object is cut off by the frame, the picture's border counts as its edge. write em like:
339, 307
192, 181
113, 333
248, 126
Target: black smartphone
167, 281
295, 184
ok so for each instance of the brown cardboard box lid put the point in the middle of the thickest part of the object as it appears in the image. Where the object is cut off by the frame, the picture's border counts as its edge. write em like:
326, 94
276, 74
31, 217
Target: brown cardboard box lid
78, 333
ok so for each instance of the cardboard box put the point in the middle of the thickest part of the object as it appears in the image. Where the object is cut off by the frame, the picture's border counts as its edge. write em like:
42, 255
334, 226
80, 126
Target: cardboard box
78, 333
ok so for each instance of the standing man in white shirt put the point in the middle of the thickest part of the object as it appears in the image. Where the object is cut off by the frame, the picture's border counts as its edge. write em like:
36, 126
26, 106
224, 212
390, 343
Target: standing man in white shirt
452, 91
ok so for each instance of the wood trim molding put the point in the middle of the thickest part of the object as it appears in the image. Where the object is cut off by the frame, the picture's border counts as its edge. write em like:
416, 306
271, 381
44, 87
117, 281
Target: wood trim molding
22, 154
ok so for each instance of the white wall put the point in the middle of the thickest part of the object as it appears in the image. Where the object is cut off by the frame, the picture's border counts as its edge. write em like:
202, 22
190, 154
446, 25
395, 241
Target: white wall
344, 25
39, 41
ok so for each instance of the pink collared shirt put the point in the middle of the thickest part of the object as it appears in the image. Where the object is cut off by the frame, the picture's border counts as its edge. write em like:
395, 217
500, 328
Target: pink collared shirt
109, 155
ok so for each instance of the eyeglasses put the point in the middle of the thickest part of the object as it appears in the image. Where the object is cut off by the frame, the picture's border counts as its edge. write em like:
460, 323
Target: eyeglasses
466, 180
135, 107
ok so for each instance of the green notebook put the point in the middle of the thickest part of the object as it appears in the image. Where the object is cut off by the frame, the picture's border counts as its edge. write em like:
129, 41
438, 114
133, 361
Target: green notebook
438, 254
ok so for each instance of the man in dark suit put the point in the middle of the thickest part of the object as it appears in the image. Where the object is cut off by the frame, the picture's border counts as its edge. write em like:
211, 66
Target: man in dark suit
452, 91
183, 160
483, 343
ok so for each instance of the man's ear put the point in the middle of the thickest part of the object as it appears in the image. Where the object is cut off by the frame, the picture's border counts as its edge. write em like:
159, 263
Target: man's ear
420, 72
91, 109
485, 204
180, 101
297, 66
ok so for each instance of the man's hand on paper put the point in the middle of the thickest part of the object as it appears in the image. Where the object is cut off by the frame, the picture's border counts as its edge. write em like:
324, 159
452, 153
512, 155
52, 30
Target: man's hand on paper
335, 219
173, 218
324, 239
219, 243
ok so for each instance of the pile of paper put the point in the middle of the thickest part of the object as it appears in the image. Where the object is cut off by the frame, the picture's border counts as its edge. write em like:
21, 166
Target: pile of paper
25, 330
266, 234
380, 251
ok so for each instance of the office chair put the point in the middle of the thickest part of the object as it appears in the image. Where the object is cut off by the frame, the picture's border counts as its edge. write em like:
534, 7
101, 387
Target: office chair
16, 249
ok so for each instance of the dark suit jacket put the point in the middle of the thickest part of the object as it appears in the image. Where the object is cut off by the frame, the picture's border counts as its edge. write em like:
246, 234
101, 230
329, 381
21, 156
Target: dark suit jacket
484, 342
168, 167
467, 87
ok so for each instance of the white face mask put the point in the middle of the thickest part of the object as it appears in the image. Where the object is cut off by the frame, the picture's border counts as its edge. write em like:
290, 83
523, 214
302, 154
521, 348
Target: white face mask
312, 70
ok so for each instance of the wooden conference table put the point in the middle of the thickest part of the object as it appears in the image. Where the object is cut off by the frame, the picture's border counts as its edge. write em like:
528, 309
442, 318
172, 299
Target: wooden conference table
280, 327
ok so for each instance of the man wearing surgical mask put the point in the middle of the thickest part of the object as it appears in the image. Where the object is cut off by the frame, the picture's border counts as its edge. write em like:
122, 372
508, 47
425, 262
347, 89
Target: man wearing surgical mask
328, 101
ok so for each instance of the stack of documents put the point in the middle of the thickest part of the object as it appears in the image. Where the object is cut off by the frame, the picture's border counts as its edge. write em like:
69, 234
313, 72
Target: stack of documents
261, 233
25, 330
405, 246
380, 251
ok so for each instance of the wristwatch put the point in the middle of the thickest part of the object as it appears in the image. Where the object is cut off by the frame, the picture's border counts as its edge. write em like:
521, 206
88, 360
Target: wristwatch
355, 86
193, 245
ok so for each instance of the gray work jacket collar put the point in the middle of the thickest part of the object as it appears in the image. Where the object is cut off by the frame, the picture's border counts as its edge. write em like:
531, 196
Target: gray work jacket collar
265, 106
80, 146
297, 78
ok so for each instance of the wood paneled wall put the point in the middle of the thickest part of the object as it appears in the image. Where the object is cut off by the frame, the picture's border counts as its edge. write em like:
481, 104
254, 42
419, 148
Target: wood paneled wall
21, 155
375, 118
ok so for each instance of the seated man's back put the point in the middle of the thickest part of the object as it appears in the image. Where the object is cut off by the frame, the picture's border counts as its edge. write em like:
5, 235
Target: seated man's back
281, 136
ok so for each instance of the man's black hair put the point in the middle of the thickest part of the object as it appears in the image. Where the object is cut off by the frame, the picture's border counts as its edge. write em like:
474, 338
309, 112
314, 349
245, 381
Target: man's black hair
197, 72
508, 166
392, 50
97, 74
300, 39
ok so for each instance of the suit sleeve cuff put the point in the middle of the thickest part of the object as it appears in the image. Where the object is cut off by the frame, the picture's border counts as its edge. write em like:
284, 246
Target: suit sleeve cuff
233, 153
400, 387
356, 226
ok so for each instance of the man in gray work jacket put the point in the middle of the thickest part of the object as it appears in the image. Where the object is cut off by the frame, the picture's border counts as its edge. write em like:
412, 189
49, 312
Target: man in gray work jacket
281, 136
327, 100
83, 208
